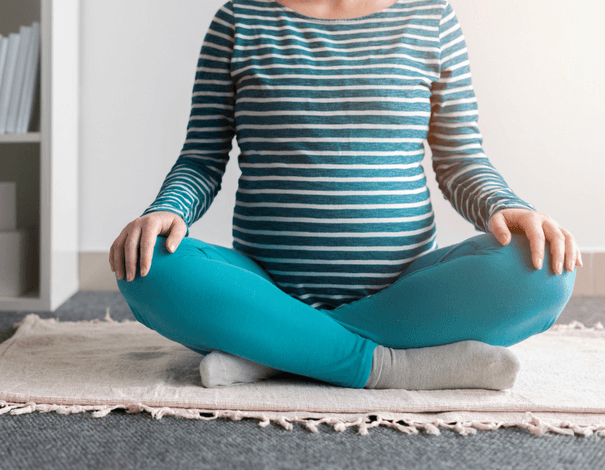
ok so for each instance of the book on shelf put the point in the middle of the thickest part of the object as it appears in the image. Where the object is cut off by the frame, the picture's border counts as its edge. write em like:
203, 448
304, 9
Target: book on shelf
19, 69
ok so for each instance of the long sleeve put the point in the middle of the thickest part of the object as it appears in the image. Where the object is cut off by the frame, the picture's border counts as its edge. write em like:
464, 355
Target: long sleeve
195, 178
465, 176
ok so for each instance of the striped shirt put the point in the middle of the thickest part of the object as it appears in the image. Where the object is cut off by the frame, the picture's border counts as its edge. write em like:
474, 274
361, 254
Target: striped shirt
330, 116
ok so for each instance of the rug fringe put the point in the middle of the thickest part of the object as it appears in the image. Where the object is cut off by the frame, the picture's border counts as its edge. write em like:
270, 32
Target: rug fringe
106, 319
530, 422
576, 325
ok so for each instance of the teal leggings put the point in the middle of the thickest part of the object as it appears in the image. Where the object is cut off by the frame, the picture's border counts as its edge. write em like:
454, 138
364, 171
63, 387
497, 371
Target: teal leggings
209, 297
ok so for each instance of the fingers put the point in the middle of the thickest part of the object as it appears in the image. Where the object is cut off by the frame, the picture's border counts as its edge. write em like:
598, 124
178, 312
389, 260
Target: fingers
557, 244
131, 252
148, 240
497, 225
571, 250
537, 239
113, 269
124, 252
139, 247
561, 246
137, 242
538, 228
116, 253
178, 230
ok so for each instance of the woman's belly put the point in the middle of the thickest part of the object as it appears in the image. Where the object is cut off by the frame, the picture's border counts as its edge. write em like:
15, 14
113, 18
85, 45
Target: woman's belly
335, 234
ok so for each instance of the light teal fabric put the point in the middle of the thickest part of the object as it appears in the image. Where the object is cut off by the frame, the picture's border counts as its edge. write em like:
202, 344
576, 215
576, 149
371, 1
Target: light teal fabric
331, 117
208, 297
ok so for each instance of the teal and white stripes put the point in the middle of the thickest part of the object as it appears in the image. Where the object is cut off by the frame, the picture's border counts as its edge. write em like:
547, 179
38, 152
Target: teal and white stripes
330, 117
465, 176
195, 178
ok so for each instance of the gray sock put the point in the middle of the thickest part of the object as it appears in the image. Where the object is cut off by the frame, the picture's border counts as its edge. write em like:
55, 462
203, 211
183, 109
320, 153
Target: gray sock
221, 369
465, 364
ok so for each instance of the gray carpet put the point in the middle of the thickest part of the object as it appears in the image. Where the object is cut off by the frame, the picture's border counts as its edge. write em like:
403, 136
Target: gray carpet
137, 441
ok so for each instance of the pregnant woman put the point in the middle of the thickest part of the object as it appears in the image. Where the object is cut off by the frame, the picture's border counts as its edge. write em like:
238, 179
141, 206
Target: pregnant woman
335, 273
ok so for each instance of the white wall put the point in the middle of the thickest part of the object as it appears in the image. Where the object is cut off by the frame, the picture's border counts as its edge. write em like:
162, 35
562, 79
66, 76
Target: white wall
537, 71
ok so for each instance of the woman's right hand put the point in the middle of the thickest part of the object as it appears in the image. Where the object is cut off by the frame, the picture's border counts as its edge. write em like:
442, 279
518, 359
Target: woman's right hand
143, 233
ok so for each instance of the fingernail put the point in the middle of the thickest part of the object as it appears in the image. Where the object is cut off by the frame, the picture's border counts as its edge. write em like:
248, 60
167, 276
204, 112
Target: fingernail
539, 263
560, 268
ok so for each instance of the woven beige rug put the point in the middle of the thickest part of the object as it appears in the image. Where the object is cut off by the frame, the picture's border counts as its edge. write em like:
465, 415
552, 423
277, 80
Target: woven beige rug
99, 366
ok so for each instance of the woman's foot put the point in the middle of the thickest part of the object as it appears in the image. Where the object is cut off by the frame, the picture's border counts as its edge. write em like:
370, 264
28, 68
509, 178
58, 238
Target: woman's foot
221, 369
465, 364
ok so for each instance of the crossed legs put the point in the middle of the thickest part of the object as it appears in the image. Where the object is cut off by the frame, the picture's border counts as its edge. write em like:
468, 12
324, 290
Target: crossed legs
209, 298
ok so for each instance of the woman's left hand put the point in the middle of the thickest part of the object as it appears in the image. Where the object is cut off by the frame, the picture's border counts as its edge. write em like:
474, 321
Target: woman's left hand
538, 227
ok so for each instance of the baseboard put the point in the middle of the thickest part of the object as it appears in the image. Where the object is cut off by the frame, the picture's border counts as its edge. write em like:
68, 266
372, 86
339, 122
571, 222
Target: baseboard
96, 274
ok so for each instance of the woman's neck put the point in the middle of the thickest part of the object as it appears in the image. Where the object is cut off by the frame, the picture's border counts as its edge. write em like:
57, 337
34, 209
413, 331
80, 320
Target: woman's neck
336, 9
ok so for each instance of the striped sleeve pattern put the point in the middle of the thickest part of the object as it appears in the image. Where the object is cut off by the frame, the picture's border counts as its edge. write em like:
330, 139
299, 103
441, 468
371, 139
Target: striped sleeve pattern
195, 178
465, 176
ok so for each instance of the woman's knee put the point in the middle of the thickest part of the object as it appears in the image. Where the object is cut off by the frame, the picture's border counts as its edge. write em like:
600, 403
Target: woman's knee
143, 291
541, 294
545, 279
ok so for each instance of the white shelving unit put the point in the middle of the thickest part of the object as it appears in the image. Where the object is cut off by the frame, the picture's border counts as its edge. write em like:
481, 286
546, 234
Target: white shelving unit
44, 161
